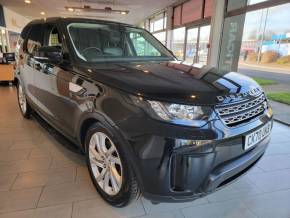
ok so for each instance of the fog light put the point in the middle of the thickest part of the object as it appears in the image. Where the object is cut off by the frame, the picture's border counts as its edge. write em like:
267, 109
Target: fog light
192, 143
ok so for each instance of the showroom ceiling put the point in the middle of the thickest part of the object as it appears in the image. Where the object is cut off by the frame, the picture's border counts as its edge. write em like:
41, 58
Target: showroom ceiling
138, 9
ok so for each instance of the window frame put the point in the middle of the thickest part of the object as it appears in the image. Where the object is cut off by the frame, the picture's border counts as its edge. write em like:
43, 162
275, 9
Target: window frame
253, 7
164, 29
203, 20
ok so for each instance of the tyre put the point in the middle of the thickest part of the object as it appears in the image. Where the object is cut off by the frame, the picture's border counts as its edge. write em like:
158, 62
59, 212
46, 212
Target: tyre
108, 167
22, 102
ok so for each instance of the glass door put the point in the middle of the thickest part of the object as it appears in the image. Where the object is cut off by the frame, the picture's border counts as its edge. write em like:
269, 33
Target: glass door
191, 45
203, 45
197, 45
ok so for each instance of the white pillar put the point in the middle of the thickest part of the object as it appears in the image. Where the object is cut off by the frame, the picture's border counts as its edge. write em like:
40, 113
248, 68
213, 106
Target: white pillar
169, 16
217, 22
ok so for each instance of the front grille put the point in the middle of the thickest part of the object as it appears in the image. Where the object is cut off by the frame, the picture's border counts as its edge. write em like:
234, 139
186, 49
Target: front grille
235, 114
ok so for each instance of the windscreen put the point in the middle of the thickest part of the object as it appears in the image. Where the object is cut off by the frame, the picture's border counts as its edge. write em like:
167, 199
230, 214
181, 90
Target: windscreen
94, 42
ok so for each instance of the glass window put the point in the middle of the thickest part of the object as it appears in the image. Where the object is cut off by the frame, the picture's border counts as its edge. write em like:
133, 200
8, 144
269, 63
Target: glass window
178, 38
161, 36
191, 45
158, 25
151, 27
259, 37
266, 37
3, 41
13, 38
54, 37
158, 22
142, 46
252, 2
203, 44
94, 42
237, 4
35, 38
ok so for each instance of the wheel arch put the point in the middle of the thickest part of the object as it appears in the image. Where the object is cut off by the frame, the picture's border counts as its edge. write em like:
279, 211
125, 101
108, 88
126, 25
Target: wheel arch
90, 119
86, 122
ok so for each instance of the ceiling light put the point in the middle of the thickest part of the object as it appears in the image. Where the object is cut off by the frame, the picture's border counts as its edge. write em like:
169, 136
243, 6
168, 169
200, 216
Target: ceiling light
27, 1
87, 8
42, 13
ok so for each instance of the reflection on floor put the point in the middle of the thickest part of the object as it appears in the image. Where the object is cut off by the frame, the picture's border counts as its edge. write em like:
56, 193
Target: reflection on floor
39, 177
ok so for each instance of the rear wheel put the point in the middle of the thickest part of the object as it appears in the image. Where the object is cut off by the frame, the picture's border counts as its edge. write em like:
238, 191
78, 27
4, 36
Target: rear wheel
108, 167
22, 102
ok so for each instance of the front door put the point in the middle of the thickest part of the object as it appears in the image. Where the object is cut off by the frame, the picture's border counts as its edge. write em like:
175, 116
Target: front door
52, 87
27, 71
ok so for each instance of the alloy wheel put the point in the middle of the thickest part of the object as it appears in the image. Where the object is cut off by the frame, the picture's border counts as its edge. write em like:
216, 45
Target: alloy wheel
105, 163
22, 99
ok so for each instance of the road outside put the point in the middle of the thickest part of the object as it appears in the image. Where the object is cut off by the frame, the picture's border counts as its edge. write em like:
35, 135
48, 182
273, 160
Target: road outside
279, 82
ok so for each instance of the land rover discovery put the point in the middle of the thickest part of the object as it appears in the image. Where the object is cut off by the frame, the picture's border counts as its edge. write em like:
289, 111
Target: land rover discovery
146, 122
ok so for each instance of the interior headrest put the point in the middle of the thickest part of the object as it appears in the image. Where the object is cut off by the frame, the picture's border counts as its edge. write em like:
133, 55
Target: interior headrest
115, 37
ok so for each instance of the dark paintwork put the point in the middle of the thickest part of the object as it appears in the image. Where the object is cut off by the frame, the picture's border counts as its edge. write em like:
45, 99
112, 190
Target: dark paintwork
164, 173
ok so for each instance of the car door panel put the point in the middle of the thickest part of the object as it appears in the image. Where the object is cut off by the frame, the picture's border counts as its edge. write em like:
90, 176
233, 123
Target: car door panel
27, 69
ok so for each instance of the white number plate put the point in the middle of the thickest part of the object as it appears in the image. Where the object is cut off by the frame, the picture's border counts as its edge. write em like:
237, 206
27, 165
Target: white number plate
257, 136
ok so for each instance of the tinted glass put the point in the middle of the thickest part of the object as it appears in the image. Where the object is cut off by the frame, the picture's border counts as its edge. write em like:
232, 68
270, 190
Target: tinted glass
177, 47
35, 38
142, 46
191, 45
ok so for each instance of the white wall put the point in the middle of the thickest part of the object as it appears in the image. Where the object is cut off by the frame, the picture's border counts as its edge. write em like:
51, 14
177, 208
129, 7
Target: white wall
14, 21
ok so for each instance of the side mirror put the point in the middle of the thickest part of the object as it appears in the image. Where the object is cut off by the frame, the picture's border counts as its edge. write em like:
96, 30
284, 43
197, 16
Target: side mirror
49, 54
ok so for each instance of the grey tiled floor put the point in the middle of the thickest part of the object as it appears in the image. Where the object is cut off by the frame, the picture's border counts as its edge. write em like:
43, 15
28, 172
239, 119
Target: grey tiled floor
41, 178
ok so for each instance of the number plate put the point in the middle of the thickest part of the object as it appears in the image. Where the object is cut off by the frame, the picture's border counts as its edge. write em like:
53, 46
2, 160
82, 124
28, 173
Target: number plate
257, 136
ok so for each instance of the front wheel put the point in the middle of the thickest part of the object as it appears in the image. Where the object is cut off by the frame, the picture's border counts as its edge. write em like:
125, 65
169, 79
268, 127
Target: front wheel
109, 168
22, 102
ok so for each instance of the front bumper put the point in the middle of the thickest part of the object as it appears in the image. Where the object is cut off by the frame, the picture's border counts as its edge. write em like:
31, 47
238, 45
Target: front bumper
168, 172
192, 176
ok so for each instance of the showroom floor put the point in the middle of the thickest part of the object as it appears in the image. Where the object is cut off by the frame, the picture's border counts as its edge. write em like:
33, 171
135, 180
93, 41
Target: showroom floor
41, 178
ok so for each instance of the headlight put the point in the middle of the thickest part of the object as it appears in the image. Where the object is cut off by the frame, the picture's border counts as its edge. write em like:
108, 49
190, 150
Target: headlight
181, 114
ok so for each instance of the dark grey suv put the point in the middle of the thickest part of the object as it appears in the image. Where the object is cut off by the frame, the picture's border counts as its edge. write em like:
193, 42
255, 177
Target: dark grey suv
146, 122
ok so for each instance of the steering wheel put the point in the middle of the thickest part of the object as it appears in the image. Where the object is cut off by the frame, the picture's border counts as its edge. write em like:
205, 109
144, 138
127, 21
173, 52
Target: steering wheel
89, 51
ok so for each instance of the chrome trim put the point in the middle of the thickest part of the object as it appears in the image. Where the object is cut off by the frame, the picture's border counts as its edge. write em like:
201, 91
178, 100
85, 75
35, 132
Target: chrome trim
241, 112
224, 110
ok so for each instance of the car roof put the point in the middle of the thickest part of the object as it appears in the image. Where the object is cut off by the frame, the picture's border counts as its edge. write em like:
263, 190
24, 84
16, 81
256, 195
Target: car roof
74, 19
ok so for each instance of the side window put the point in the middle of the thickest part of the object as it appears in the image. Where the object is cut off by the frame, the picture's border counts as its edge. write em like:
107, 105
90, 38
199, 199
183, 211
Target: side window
34, 39
142, 46
52, 36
